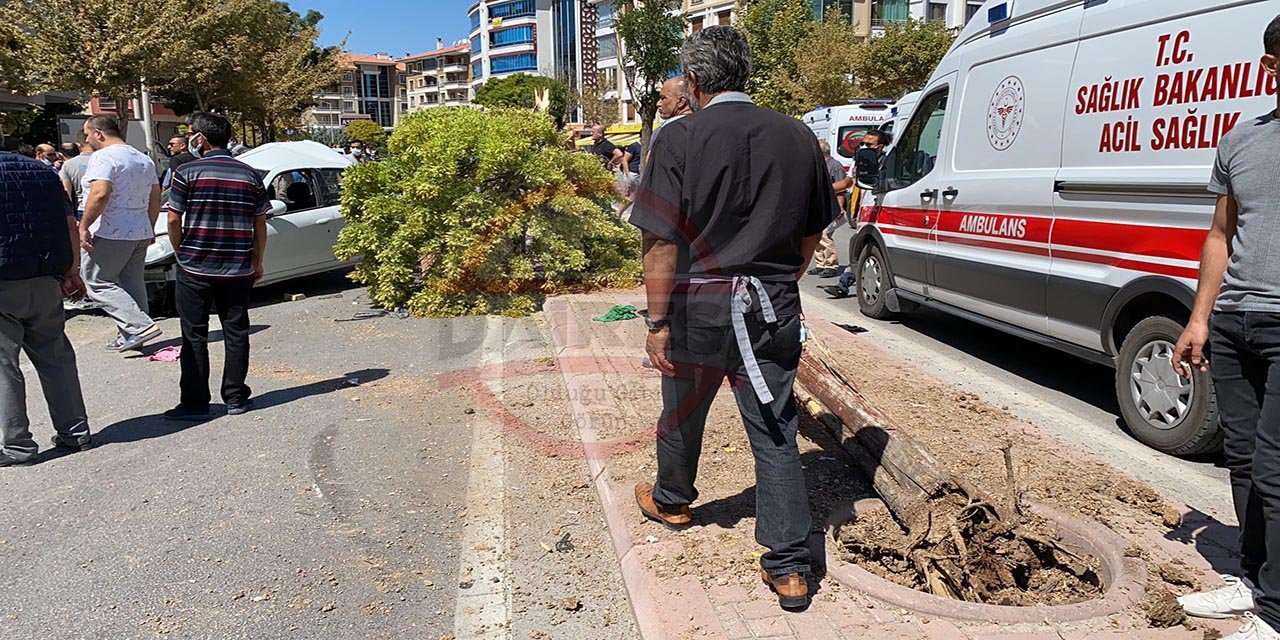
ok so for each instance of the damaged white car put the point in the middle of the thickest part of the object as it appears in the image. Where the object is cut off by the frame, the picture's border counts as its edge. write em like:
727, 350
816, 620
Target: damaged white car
304, 182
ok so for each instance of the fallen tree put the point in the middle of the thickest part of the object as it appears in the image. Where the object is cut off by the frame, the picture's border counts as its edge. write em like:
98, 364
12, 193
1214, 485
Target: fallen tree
946, 536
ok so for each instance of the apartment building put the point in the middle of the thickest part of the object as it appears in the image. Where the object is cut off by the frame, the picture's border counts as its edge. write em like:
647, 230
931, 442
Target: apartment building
372, 87
870, 16
439, 78
708, 13
539, 37
607, 51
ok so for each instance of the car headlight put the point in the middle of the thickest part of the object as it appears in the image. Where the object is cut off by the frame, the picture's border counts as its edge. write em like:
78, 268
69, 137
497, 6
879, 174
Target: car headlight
160, 251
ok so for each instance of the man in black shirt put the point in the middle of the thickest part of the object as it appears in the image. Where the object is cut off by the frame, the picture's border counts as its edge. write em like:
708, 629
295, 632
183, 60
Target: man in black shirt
178, 156
609, 153
732, 207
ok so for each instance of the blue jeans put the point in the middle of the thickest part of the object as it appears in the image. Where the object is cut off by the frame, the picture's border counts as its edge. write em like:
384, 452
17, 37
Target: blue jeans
703, 357
1245, 363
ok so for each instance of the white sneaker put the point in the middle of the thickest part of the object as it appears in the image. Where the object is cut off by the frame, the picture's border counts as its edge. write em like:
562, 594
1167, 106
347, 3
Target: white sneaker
1228, 602
1254, 629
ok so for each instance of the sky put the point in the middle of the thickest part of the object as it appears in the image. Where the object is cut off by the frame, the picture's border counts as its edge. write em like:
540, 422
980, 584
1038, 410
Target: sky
393, 26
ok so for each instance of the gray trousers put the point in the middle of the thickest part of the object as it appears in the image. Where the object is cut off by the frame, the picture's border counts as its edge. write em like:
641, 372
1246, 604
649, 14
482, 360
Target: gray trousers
113, 277
32, 320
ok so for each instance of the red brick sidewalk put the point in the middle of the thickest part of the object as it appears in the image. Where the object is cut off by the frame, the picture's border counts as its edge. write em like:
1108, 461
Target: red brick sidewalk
610, 398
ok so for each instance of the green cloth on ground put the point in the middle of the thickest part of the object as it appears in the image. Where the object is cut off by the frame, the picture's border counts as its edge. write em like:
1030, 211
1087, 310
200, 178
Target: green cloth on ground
618, 313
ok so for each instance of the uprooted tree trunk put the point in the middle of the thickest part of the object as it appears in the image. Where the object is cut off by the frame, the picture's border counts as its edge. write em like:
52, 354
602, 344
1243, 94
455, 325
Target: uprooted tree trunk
960, 542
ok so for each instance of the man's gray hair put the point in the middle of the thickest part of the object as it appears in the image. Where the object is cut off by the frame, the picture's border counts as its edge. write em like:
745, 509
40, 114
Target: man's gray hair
719, 58
825, 146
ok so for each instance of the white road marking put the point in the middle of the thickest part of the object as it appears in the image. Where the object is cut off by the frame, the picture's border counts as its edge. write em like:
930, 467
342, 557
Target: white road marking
483, 607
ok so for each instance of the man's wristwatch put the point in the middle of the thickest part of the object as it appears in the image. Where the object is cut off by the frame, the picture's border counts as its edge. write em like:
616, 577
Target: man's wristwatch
657, 325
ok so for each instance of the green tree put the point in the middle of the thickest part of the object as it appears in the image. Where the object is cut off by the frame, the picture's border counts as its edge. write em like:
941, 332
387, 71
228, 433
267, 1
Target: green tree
772, 29
649, 36
824, 64
15, 72
366, 131
518, 91
901, 60
596, 109
482, 212
101, 47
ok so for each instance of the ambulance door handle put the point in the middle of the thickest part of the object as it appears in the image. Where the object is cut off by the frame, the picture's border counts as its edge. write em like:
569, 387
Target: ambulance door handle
929, 195
950, 193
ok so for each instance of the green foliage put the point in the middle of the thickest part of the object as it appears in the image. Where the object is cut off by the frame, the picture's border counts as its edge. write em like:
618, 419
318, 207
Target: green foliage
650, 36
256, 59
518, 91
901, 60
772, 28
824, 64
482, 212
15, 72
366, 131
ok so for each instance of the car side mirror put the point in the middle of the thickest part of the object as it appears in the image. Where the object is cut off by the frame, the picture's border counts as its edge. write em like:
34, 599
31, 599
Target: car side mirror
278, 208
886, 171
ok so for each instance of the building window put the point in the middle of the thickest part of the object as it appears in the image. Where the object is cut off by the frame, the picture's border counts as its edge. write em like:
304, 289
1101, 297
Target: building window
346, 77
475, 19
107, 104
604, 15
937, 12
475, 46
971, 10
505, 37
517, 9
477, 69
349, 106
564, 16
696, 24
403, 107
348, 91
518, 62
886, 11
400, 78
724, 18
608, 47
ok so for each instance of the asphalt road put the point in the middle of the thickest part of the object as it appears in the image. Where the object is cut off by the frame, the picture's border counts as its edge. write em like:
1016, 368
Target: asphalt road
1070, 398
357, 501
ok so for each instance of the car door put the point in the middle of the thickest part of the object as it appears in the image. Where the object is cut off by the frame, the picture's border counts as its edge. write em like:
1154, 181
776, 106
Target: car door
330, 223
293, 236
906, 213
996, 201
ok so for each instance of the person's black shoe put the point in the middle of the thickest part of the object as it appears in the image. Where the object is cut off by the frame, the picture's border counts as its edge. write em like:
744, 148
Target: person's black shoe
7, 460
79, 444
183, 413
836, 292
828, 273
814, 271
239, 409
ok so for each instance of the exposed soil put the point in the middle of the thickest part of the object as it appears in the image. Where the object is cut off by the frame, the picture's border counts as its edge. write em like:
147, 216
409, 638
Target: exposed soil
980, 560
968, 436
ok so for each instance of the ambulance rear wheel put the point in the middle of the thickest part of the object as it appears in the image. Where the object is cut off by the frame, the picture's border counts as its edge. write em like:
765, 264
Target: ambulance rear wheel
1163, 410
873, 283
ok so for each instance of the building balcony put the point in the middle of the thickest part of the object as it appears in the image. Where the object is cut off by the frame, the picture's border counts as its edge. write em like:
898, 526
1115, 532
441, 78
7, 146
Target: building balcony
454, 68
325, 109
329, 95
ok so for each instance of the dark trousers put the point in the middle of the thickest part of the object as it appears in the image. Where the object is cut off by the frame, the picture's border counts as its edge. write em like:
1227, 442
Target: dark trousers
1245, 363
703, 357
196, 297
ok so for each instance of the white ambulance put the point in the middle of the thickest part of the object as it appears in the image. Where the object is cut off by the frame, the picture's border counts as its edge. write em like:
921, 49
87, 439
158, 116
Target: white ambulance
1051, 182
843, 126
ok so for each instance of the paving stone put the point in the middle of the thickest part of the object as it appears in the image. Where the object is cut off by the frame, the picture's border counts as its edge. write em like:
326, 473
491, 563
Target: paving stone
728, 594
815, 625
735, 628
756, 609
773, 627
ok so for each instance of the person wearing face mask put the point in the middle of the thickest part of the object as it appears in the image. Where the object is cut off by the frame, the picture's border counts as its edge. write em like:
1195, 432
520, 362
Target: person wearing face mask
119, 223
357, 150
866, 166
218, 227
47, 155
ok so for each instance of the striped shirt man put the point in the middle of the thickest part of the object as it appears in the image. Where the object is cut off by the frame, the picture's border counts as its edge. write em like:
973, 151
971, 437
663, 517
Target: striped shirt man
218, 198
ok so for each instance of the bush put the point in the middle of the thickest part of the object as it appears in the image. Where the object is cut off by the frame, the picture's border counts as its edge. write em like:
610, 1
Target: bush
482, 212
366, 131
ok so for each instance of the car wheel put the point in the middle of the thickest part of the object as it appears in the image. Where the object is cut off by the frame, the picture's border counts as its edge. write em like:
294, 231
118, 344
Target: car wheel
872, 283
1163, 410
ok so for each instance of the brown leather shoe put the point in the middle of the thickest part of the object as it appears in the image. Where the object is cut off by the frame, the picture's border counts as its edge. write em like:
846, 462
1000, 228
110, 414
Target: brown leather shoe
682, 519
792, 589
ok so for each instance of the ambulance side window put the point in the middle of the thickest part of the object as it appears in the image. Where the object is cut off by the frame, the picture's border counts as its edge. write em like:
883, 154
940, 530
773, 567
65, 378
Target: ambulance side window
917, 149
